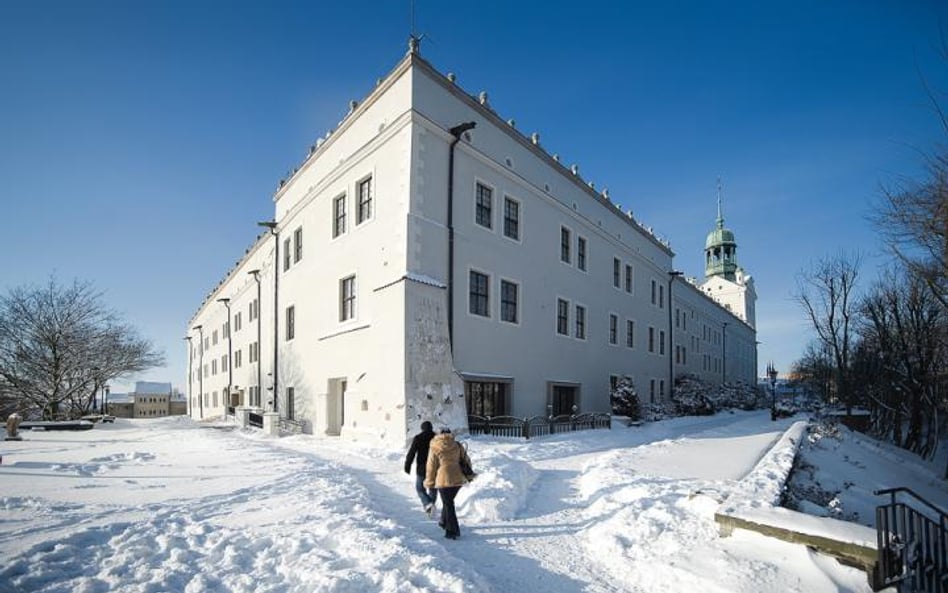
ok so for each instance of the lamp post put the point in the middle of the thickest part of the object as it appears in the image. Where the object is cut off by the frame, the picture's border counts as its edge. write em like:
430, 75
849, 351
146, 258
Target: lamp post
772, 374
230, 356
200, 329
190, 372
272, 226
256, 277
672, 274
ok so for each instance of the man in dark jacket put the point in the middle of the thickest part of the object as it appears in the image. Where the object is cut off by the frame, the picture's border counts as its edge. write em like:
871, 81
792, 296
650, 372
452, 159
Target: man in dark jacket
419, 452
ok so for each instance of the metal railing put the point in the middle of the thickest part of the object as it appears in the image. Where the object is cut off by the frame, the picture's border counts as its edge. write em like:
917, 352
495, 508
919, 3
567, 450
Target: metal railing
291, 425
536, 426
912, 544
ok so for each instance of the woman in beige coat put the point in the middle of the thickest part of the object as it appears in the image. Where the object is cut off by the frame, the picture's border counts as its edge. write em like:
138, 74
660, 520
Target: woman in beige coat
444, 473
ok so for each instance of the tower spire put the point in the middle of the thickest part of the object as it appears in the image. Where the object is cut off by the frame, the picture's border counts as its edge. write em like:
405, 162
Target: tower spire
720, 220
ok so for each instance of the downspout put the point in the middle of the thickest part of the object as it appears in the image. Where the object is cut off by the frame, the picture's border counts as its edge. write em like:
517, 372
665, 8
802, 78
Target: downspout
456, 132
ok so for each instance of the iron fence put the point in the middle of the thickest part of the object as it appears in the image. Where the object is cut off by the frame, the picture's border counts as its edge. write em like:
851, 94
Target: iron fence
536, 426
912, 544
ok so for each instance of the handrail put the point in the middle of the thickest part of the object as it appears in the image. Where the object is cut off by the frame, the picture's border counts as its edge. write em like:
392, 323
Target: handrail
893, 491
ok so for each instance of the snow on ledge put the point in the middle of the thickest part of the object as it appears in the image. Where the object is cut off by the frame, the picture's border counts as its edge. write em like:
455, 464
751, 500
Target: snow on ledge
764, 484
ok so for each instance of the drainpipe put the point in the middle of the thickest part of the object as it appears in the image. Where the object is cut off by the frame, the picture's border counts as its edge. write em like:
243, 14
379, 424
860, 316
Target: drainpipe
456, 132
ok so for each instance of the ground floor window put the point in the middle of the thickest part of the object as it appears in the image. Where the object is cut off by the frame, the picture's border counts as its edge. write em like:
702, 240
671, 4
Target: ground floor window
486, 398
290, 403
564, 399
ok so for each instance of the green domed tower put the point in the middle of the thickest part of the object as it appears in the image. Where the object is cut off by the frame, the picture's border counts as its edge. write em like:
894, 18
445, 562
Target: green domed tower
725, 281
720, 249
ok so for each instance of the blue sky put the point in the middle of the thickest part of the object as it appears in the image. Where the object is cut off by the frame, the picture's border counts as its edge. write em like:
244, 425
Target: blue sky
140, 141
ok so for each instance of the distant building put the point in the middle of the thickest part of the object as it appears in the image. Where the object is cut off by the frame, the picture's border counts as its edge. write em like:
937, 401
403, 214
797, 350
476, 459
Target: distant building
148, 400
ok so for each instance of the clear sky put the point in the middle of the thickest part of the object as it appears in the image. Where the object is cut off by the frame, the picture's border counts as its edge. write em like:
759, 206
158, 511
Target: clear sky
140, 140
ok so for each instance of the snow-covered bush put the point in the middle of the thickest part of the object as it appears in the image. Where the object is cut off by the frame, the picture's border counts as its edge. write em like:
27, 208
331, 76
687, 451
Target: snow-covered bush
625, 399
691, 397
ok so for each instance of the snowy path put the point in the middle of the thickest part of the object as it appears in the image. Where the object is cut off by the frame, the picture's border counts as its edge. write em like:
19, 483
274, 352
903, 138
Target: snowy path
159, 506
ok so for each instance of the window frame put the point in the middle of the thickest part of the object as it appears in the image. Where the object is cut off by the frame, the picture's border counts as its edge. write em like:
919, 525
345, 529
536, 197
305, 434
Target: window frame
566, 245
479, 208
519, 209
504, 304
339, 216
562, 321
471, 295
363, 203
613, 329
580, 321
297, 244
290, 325
581, 253
347, 299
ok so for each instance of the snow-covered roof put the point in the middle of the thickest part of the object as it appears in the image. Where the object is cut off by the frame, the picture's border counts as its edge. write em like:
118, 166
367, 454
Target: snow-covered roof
150, 387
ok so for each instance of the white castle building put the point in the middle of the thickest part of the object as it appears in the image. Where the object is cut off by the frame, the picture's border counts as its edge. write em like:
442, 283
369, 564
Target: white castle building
427, 260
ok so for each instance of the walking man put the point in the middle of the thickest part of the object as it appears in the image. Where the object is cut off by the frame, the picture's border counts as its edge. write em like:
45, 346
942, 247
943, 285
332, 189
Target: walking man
418, 452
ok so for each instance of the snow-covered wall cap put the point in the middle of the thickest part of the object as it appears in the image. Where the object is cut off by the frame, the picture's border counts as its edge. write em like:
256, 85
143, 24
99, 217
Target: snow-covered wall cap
763, 486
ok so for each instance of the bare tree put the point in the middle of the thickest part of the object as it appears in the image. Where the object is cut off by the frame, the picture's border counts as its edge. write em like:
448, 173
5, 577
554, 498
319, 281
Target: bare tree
913, 219
901, 333
60, 343
827, 293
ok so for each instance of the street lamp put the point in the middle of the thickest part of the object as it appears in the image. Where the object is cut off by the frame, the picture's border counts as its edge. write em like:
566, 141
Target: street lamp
200, 330
772, 373
672, 274
230, 356
272, 226
256, 277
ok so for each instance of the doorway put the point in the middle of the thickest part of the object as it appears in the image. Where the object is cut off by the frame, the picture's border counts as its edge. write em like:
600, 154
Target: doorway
336, 406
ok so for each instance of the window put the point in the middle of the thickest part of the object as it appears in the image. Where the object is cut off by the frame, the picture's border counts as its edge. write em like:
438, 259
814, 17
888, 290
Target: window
651, 339
563, 400
290, 403
479, 292
616, 272
365, 201
661, 297
565, 256
661, 342
223, 363
214, 338
486, 398
508, 301
482, 210
339, 216
290, 323
238, 359
214, 367
347, 298
511, 218
661, 388
677, 317
580, 322
628, 278
651, 389
287, 256
613, 329
298, 245
630, 333
237, 321
254, 311
225, 329
562, 317
653, 292
581, 253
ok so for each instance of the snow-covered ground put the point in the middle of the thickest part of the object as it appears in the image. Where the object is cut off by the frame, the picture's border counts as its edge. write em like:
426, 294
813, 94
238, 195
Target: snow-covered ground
172, 505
